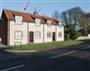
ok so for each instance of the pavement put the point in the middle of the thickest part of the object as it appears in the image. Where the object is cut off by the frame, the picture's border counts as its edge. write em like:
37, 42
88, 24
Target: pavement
20, 51
75, 58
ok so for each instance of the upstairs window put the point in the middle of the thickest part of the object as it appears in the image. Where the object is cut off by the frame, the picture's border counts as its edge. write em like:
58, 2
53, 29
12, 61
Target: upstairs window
18, 35
48, 23
18, 20
60, 24
38, 22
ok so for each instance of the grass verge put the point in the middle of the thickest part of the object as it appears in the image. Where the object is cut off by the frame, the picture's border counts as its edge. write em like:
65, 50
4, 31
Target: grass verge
43, 46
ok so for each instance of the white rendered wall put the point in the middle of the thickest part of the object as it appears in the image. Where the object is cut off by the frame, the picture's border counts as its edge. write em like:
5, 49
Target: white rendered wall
59, 29
33, 27
13, 27
46, 30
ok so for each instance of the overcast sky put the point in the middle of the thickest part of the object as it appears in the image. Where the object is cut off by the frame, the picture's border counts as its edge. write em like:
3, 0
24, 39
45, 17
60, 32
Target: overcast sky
46, 7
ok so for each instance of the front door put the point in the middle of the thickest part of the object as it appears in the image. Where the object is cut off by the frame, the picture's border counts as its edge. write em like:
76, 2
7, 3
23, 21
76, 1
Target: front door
53, 36
31, 35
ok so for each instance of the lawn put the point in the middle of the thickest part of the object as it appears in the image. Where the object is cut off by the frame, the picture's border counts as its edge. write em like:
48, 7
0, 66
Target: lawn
46, 45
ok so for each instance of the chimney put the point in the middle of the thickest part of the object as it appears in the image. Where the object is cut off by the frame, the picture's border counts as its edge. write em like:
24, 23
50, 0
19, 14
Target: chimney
35, 13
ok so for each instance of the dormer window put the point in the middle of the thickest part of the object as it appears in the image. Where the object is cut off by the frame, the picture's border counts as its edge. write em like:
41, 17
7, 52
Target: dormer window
37, 21
59, 23
49, 23
18, 20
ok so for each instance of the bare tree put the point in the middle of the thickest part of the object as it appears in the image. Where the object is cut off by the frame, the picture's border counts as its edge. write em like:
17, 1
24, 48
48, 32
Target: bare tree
85, 22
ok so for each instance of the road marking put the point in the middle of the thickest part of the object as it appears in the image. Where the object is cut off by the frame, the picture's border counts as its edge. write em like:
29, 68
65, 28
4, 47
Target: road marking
87, 47
11, 68
53, 57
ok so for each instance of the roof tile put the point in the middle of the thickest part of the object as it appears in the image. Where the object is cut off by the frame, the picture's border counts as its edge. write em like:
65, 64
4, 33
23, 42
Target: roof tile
10, 14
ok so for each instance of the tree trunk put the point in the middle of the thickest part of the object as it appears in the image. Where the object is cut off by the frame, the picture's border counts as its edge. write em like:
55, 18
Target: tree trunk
85, 29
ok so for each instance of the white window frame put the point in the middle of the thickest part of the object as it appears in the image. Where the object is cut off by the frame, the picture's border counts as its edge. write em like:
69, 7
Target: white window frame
18, 35
48, 23
38, 35
18, 20
38, 22
60, 24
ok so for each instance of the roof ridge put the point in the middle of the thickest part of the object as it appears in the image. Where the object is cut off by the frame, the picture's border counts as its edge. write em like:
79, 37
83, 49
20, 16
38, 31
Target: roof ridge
29, 13
17, 11
28, 16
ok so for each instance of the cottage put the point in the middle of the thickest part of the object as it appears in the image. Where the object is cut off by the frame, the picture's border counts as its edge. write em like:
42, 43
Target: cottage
24, 28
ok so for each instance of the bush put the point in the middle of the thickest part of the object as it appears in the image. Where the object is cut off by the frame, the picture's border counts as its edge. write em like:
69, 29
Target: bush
71, 33
74, 34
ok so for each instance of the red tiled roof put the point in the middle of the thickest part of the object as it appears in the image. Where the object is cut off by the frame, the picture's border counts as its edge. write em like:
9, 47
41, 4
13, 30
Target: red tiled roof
10, 14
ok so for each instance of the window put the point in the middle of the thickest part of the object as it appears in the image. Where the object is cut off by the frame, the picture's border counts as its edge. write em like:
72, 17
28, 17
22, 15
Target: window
49, 23
60, 34
37, 21
59, 23
18, 20
18, 35
38, 35
48, 35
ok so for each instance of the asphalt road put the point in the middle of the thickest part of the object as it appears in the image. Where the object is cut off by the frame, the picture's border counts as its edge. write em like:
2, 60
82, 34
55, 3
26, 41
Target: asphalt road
65, 59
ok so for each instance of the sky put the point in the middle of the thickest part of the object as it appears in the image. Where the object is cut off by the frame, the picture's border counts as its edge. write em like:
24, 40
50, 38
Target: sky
46, 7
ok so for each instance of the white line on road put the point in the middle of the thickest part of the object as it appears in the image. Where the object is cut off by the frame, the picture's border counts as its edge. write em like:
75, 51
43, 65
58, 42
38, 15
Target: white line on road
11, 68
53, 57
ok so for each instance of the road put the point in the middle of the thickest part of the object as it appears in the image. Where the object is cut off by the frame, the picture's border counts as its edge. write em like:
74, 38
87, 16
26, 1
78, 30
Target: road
76, 58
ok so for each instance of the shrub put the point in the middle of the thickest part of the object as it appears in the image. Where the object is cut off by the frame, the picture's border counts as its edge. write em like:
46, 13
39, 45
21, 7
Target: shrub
71, 33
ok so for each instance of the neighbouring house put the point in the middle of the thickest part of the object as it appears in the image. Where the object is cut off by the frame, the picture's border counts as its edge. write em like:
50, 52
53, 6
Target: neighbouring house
0, 28
20, 28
